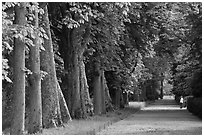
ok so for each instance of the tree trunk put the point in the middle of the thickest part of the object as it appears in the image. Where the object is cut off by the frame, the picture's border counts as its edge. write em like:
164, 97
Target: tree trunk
143, 93
108, 100
86, 100
63, 106
35, 114
65, 41
77, 88
103, 105
84, 92
18, 121
73, 91
99, 90
161, 89
125, 97
72, 45
117, 98
122, 100
50, 90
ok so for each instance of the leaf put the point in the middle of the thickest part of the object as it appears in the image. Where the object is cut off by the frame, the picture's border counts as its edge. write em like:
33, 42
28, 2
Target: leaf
24, 32
8, 79
42, 30
29, 42
70, 26
81, 21
75, 25
42, 47
41, 11
86, 18
45, 36
27, 71
41, 41
31, 31
5, 64
7, 46
16, 36
43, 74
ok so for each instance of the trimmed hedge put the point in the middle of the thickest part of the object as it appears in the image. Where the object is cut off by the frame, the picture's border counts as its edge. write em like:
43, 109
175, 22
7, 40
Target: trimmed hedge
194, 105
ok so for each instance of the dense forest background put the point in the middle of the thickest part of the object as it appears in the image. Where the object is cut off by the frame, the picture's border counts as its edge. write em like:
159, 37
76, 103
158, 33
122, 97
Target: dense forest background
71, 60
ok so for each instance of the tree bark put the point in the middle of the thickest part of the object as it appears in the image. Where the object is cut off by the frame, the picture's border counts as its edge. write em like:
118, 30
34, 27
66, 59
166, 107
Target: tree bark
103, 99
77, 88
72, 45
72, 67
117, 98
144, 91
35, 114
125, 97
50, 90
18, 120
108, 100
84, 93
63, 106
161, 89
97, 90
86, 100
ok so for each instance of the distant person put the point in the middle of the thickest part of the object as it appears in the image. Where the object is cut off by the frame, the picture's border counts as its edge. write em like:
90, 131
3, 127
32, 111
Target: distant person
181, 102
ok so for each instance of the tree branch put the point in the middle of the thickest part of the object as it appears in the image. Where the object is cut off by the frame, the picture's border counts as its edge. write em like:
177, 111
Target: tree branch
56, 29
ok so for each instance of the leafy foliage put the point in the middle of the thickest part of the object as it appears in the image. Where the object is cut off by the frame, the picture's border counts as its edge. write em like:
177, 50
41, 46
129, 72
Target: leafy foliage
137, 40
187, 72
11, 31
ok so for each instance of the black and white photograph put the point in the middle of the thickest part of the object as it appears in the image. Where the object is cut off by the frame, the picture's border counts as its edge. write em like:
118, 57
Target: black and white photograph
101, 68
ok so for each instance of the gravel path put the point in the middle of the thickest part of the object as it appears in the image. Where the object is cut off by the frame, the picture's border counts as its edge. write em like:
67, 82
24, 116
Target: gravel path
163, 117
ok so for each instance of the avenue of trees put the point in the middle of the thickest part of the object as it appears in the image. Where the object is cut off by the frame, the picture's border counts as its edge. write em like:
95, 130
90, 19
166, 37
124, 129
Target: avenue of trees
71, 60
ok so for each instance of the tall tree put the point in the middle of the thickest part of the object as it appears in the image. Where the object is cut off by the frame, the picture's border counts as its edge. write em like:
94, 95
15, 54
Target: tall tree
86, 103
189, 56
35, 114
18, 120
73, 35
51, 93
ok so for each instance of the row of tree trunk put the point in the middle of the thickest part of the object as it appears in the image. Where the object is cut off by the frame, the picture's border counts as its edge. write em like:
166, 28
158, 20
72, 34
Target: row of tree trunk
77, 93
48, 106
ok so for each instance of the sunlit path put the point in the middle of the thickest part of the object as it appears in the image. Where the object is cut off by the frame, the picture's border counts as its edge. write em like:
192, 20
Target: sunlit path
164, 117
168, 103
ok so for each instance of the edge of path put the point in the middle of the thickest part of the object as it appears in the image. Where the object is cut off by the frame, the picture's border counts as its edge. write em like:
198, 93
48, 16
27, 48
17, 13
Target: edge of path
131, 109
